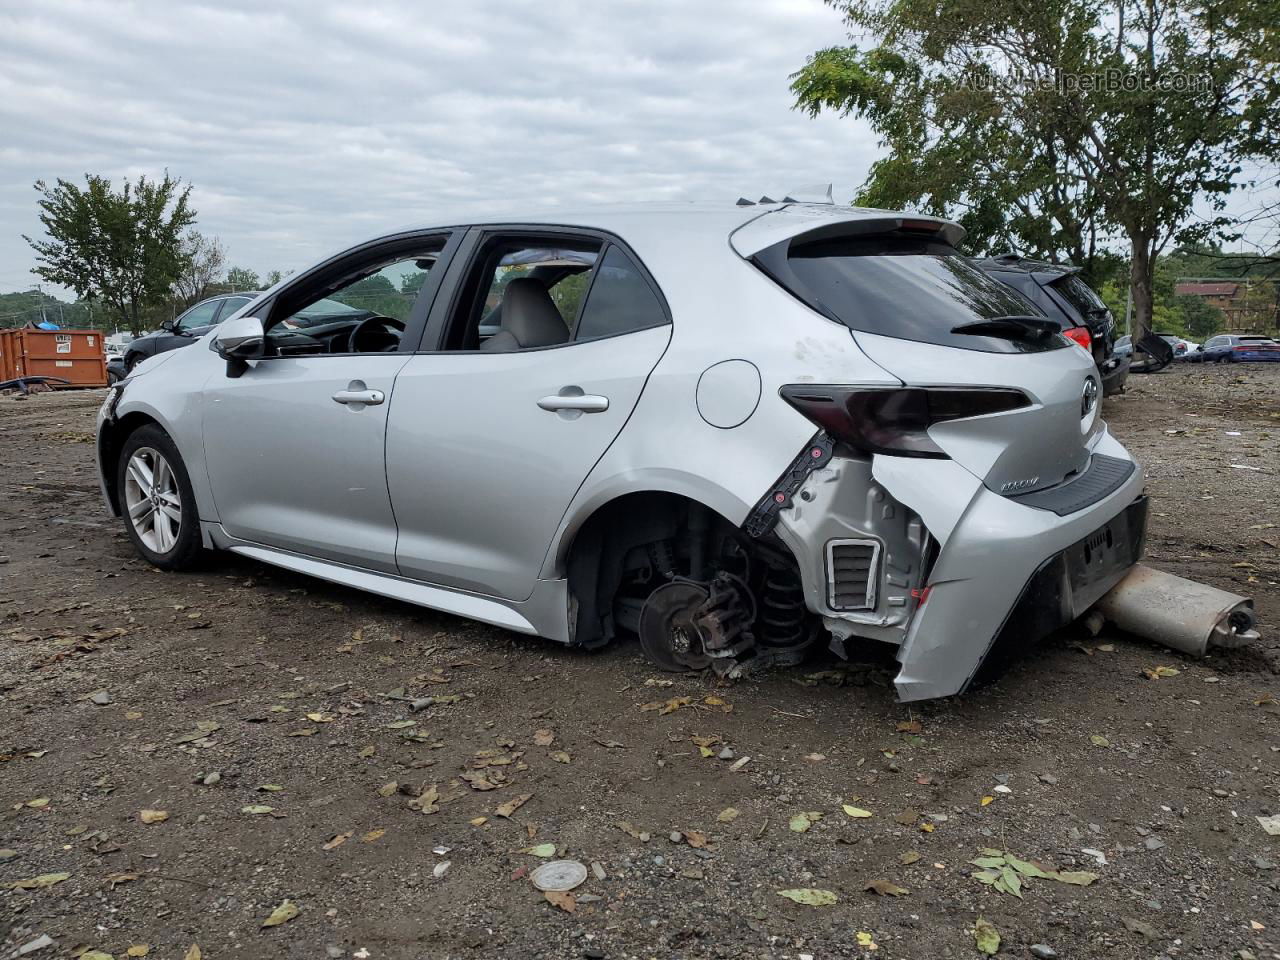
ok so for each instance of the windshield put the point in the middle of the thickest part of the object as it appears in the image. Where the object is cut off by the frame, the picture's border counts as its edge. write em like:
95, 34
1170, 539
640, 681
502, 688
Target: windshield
910, 288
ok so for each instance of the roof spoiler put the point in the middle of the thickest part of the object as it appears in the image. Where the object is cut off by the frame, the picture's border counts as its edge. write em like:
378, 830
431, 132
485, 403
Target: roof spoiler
777, 226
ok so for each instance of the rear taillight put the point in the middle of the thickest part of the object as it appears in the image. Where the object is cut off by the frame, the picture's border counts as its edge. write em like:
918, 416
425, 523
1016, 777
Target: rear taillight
896, 420
1080, 335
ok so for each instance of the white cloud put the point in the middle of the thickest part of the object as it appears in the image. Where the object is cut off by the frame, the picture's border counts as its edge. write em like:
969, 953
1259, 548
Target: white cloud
308, 124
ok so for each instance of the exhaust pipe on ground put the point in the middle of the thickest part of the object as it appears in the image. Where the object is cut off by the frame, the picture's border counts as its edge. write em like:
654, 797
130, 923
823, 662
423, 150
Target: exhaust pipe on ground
1175, 612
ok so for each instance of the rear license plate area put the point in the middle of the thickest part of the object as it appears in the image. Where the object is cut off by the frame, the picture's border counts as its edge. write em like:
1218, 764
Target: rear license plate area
1111, 549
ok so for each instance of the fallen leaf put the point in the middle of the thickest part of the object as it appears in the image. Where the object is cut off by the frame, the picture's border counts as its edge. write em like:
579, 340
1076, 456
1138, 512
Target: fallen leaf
727, 815
858, 813
695, 839
926, 827
809, 896
865, 940
1270, 824
803, 821
402, 724
321, 717
985, 937
987, 800
153, 816
908, 858
428, 801
565, 901
388, 789
256, 809
95, 955
304, 732
193, 953
281, 914
138, 950
372, 835
1158, 673
40, 882
478, 821
910, 726
632, 831
270, 787
337, 841
39, 803
543, 850
366, 752
1099, 741
666, 706
476, 780
115, 879
1140, 927
1078, 878
885, 888
544, 737
561, 757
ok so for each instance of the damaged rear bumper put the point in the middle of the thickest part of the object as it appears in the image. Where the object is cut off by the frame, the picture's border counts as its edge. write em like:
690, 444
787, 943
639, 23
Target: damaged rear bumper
1007, 571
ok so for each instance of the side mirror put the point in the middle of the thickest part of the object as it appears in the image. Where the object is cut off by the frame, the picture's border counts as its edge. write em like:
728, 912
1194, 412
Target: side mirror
240, 338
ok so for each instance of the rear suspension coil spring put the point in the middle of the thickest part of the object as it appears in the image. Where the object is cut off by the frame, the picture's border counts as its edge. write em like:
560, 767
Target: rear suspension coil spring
782, 611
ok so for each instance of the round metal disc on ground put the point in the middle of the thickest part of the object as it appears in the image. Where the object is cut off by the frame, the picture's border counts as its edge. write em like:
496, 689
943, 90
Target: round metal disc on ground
668, 634
559, 876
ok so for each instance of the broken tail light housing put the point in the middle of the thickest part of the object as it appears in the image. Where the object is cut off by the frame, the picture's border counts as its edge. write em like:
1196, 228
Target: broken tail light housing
1080, 335
896, 421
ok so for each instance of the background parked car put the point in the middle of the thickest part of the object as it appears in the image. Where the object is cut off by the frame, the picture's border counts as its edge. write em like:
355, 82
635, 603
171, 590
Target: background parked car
115, 368
1063, 296
1240, 347
187, 328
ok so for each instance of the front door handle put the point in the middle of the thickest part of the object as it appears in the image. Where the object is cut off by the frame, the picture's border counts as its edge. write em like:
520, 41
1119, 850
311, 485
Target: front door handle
369, 397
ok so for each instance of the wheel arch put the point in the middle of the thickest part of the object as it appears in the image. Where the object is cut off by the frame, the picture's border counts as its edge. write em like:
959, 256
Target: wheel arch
111, 440
593, 553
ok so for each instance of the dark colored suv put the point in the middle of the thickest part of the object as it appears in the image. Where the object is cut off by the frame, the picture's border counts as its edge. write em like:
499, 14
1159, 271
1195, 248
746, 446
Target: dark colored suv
1065, 297
187, 328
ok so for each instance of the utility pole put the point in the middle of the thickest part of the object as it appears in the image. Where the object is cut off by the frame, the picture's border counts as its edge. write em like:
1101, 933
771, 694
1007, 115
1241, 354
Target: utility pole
40, 294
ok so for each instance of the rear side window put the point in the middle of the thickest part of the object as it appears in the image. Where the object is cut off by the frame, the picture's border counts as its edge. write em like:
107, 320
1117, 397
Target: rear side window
1079, 294
620, 300
231, 305
905, 287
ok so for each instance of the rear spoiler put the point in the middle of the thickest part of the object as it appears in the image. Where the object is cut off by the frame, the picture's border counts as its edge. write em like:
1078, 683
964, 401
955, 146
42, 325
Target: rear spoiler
806, 223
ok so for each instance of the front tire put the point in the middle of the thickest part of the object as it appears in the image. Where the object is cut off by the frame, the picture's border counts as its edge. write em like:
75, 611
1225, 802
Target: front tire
156, 500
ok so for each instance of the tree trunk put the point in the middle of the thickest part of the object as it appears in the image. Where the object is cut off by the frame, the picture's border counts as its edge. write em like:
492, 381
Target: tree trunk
1141, 284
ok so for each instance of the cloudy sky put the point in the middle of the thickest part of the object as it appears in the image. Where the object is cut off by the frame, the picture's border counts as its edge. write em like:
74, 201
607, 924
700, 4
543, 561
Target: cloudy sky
305, 124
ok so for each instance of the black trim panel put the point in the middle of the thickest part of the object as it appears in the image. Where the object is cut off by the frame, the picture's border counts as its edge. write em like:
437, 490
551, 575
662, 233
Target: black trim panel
1104, 476
1065, 586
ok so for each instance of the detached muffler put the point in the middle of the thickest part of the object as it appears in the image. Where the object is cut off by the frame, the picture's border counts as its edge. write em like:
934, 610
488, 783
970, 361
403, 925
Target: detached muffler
1178, 613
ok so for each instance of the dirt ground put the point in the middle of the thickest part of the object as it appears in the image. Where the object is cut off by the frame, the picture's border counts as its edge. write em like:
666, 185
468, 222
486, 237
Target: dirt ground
242, 688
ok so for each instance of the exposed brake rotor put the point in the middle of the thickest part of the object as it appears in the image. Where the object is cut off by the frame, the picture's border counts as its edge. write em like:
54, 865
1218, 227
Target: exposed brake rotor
687, 626
669, 633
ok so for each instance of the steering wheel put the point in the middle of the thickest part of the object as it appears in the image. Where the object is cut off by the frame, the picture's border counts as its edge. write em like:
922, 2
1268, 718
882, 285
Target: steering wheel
376, 334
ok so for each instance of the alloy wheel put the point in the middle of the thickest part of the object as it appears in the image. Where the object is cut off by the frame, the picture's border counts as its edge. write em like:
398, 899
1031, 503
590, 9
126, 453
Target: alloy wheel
152, 499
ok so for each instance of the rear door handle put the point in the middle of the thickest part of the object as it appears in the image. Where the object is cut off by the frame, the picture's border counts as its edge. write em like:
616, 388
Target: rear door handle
587, 403
370, 397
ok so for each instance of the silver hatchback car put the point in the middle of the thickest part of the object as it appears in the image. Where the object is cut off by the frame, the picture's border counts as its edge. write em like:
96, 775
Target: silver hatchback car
732, 431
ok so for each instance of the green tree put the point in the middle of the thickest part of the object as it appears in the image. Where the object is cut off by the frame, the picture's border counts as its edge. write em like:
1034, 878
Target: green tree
1200, 320
1047, 126
242, 278
124, 248
204, 261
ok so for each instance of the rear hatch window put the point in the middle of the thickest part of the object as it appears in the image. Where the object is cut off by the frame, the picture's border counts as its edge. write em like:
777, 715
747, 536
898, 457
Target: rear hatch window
912, 288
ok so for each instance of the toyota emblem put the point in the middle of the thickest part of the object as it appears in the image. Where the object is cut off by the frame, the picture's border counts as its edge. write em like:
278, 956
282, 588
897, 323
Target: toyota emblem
1088, 397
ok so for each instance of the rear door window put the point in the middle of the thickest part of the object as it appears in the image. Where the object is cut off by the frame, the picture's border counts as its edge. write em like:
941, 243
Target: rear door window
620, 301
905, 287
